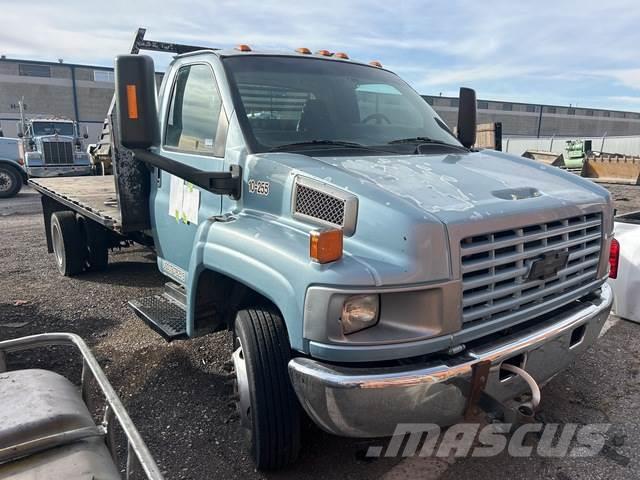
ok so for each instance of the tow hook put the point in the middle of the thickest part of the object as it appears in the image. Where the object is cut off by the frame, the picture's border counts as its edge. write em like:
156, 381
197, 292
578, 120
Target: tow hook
495, 410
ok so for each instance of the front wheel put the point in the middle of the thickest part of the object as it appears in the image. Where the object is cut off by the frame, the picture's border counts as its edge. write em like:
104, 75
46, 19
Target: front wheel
267, 405
10, 182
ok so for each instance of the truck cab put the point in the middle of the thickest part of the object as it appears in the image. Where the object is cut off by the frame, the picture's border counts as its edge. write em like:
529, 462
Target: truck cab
53, 147
372, 267
12, 173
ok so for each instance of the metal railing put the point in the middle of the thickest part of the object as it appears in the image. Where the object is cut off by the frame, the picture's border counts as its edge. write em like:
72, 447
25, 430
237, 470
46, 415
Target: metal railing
138, 455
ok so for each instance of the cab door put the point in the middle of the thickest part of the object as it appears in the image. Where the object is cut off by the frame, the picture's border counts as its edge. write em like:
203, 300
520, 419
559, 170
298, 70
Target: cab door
194, 133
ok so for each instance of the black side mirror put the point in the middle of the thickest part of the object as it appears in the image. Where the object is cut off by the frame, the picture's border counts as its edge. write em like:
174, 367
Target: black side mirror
85, 132
136, 101
467, 117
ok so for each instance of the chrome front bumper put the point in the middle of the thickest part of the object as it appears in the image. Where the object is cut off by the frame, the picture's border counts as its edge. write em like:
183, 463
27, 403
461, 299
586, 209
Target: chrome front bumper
55, 171
370, 402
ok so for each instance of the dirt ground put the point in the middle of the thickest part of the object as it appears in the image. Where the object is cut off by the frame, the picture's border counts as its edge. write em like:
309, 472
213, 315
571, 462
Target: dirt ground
179, 394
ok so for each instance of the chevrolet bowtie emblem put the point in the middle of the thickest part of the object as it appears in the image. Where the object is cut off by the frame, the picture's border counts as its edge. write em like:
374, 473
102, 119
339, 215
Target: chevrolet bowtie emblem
548, 265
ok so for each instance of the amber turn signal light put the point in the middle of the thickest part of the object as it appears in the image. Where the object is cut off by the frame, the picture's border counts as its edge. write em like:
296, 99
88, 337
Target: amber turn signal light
325, 245
132, 102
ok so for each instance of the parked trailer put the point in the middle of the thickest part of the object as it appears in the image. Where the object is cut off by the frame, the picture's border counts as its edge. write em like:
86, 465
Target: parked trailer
372, 268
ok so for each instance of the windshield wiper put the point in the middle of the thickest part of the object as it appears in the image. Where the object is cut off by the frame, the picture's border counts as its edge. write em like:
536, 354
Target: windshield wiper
330, 143
418, 140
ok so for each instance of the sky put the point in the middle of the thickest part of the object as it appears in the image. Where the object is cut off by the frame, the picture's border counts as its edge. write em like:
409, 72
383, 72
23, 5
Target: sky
580, 53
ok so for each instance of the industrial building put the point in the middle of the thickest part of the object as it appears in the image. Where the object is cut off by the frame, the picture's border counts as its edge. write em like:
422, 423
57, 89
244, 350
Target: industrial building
536, 120
83, 93
78, 92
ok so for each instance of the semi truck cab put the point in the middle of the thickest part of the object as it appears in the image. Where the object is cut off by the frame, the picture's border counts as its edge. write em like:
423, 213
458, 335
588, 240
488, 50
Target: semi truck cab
53, 147
372, 267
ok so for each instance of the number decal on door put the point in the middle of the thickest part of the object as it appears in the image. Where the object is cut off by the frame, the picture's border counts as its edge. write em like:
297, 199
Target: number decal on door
259, 187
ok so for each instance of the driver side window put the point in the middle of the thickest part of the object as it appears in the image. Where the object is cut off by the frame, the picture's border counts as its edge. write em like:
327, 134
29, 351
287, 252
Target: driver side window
195, 121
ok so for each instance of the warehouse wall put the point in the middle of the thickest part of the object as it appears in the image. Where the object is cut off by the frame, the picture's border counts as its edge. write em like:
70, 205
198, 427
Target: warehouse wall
525, 119
48, 90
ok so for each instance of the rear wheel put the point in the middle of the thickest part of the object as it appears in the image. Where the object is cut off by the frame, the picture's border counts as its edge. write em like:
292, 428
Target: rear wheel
267, 405
68, 243
10, 181
97, 244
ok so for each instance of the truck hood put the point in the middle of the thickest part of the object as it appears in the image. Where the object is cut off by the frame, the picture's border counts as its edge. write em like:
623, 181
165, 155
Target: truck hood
460, 187
52, 138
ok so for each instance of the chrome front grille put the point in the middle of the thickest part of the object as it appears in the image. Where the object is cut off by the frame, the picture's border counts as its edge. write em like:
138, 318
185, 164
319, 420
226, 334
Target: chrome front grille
57, 153
496, 266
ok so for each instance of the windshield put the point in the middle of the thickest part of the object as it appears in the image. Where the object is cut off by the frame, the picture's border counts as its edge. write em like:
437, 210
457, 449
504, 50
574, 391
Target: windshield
293, 100
51, 128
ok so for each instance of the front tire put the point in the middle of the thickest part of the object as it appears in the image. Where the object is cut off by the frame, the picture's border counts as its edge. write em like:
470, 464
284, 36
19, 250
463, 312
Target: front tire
268, 407
10, 181
68, 243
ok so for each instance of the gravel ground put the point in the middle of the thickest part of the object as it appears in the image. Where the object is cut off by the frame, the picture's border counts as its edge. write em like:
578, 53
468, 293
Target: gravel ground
179, 395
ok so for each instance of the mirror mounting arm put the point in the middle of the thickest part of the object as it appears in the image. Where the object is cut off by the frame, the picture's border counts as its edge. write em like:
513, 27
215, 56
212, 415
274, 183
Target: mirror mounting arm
220, 183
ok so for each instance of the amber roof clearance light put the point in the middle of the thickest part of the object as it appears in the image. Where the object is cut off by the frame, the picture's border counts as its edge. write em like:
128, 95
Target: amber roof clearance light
243, 48
324, 53
303, 50
341, 55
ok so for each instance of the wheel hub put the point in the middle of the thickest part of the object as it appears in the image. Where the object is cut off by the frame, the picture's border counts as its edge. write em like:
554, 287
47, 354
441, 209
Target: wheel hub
241, 384
5, 182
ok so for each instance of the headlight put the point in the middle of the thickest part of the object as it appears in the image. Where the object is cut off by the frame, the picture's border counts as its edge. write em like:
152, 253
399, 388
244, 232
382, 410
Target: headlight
359, 312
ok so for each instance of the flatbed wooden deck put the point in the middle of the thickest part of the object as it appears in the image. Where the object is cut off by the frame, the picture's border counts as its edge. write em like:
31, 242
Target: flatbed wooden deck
94, 197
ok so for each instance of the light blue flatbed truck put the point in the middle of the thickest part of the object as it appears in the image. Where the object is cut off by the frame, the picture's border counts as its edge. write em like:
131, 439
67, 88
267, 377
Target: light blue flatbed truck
373, 268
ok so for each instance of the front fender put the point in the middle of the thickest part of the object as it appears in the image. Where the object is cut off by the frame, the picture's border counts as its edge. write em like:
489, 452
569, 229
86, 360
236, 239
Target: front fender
17, 167
271, 258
